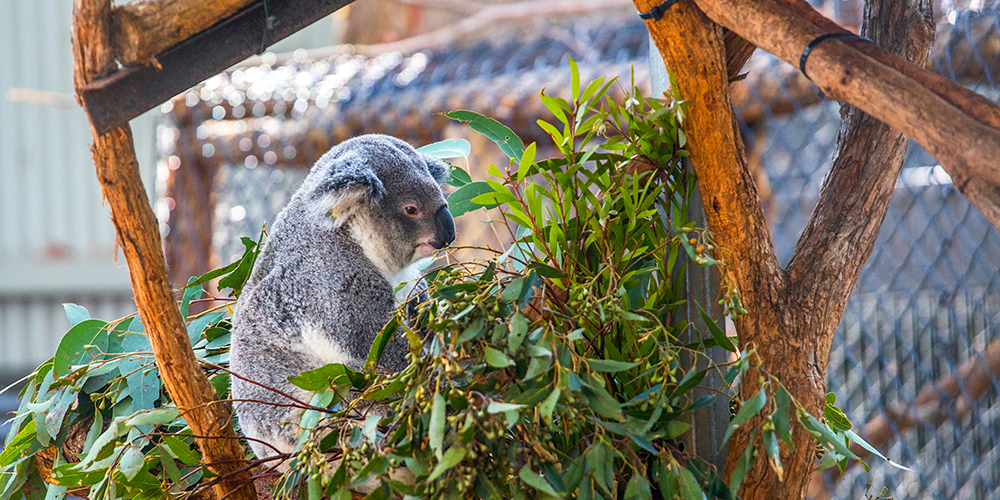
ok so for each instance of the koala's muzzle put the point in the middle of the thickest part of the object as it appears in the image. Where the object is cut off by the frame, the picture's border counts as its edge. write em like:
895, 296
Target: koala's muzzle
444, 231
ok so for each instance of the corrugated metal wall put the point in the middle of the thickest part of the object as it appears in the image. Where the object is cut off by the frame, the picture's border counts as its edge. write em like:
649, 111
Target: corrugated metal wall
56, 238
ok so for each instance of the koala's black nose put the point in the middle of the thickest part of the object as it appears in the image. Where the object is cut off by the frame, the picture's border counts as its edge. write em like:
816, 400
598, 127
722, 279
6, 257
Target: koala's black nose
444, 232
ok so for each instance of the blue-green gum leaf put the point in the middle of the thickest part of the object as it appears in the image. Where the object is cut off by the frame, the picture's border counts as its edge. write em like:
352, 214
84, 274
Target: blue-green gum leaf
448, 148
75, 313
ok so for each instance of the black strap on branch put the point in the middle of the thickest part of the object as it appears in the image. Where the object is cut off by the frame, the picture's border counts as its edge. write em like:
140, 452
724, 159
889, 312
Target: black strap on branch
818, 40
656, 13
270, 23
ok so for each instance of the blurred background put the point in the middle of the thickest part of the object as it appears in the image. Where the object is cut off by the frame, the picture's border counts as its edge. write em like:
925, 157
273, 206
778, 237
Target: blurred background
221, 160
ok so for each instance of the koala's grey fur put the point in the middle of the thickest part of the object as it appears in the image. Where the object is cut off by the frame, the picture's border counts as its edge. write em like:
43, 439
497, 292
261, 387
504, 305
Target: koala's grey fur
323, 285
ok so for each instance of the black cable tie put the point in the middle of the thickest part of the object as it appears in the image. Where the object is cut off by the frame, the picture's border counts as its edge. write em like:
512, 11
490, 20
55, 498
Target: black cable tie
818, 40
270, 23
656, 13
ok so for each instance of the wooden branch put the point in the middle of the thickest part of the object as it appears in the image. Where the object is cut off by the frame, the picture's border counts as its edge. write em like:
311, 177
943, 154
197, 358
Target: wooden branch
141, 30
959, 127
489, 15
692, 49
696, 62
855, 196
139, 236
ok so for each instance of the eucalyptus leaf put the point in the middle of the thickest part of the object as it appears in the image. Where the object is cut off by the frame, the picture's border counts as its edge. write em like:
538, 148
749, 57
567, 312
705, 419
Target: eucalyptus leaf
448, 148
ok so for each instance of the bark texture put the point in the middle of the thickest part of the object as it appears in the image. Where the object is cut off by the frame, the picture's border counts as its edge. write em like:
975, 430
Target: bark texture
793, 314
139, 237
141, 30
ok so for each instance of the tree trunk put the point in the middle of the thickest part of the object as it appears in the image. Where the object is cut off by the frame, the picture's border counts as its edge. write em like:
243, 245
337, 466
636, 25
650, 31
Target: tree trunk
139, 236
792, 315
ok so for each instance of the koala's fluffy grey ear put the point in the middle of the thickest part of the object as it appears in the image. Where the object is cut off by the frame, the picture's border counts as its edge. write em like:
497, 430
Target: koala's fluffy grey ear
440, 170
346, 183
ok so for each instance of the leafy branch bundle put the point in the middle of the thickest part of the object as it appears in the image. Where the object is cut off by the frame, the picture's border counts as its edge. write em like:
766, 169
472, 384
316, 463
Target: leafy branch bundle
562, 367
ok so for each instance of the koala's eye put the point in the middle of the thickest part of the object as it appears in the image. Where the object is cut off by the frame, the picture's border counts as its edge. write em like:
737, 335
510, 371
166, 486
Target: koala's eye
411, 210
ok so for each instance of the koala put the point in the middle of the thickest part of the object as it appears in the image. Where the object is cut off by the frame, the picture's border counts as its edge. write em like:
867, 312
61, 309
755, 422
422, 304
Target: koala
322, 288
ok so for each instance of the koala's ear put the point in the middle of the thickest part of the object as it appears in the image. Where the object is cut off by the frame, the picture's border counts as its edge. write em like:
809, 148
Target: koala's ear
440, 170
347, 182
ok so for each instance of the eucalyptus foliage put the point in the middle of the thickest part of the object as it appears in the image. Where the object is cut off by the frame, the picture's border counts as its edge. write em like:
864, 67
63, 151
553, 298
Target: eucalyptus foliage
562, 367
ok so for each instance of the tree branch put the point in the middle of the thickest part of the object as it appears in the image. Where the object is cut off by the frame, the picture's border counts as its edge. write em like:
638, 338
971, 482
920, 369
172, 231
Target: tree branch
956, 125
855, 197
141, 30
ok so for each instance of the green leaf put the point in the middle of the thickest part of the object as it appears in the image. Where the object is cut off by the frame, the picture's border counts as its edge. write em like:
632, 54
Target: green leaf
536, 481
609, 365
381, 340
327, 376
690, 379
75, 314
780, 418
181, 450
82, 344
574, 74
436, 430
159, 416
459, 177
773, 453
190, 292
743, 465
198, 325
749, 408
448, 148
824, 435
527, 159
460, 202
131, 461
603, 403
238, 278
720, 336
513, 289
688, 485
504, 137
545, 408
518, 329
374, 467
853, 436
141, 376
451, 458
496, 358
835, 417
500, 407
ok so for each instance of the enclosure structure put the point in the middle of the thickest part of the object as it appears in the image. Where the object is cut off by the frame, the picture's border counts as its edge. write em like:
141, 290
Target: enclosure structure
926, 302
966, 156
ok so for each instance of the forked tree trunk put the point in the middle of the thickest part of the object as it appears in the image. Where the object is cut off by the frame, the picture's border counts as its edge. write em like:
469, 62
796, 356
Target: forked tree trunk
792, 313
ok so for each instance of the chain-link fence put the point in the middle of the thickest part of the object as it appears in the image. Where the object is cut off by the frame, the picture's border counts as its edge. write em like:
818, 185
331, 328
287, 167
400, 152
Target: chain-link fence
926, 306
